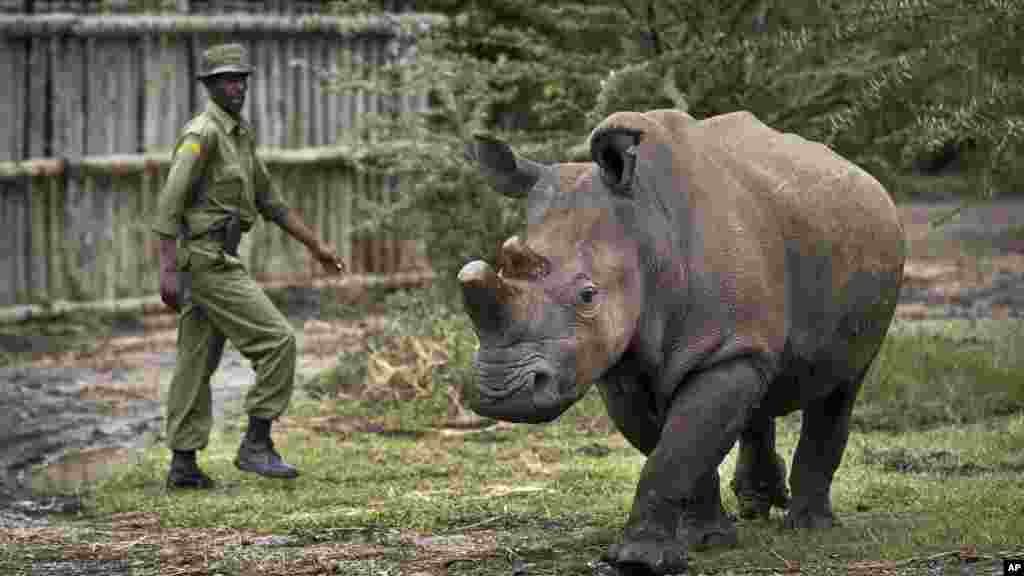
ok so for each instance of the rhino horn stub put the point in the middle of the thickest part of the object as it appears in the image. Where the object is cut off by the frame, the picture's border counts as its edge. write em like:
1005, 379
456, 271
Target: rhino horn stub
478, 274
520, 261
509, 173
484, 294
614, 150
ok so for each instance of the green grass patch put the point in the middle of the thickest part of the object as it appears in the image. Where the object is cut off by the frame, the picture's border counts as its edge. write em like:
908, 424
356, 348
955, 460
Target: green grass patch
944, 372
78, 332
554, 496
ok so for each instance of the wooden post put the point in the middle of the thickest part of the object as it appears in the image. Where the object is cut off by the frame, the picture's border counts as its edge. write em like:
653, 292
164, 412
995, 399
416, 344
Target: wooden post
54, 252
35, 200
37, 142
20, 246
294, 94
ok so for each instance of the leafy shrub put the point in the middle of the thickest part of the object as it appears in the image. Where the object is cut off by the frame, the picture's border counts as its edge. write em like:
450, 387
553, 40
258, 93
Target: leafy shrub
408, 365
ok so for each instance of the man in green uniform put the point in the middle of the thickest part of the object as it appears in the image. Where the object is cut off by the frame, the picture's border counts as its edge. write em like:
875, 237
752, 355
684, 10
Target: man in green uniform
215, 191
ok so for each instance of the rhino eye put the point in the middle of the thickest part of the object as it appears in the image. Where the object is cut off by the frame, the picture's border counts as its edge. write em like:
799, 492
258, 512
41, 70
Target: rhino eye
587, 295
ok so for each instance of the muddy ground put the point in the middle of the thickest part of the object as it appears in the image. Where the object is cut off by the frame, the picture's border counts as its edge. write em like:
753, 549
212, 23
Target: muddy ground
65, 403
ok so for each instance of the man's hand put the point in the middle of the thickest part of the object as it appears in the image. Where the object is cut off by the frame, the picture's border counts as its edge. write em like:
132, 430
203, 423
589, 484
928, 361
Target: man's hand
169, 289
329, 259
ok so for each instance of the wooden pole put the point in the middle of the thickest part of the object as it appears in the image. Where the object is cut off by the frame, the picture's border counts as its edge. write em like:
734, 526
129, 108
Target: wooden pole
343, 154
131, 25
153, 304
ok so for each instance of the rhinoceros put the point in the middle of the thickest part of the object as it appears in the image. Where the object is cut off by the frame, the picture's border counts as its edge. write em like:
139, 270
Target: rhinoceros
708, 276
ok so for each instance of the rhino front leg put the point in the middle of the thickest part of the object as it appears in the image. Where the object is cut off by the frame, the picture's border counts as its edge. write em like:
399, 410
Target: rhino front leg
705, 524
629, 406
702, 424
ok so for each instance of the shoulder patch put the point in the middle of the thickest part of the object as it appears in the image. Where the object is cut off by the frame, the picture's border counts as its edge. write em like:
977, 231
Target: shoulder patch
190, 147
198, 125
198, 137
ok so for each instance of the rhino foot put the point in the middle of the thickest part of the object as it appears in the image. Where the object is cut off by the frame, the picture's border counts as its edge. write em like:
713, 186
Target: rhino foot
757, 503
650, 556
814, 517
757, 494
719, 533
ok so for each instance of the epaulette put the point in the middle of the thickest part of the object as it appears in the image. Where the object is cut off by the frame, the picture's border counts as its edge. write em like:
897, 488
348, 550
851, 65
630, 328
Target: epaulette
198, 125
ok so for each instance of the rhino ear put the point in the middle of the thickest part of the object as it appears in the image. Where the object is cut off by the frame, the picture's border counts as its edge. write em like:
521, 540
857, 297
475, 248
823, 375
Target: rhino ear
509, 173
614, 150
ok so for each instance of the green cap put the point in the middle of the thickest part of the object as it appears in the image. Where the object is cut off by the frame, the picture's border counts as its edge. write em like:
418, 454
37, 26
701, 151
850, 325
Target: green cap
224, 59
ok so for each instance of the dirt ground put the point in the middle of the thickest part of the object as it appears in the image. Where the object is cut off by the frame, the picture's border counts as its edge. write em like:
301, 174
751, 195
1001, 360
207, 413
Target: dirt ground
98, 404
970, 267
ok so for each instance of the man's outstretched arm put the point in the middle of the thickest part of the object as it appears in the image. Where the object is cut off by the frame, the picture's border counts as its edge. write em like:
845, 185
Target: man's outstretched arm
292, 223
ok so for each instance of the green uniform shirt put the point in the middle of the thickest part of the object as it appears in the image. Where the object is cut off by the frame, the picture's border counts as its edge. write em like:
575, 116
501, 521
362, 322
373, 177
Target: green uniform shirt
214, 172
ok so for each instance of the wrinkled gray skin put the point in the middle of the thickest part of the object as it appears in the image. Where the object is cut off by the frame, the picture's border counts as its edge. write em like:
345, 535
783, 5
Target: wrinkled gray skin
707, 276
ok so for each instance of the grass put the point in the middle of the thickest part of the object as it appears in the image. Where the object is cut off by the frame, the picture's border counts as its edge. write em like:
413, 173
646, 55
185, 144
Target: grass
75, 332
944, 372
934, 466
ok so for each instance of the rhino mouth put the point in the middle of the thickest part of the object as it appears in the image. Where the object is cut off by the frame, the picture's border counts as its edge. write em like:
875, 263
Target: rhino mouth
534, 380
530, 392
501, 380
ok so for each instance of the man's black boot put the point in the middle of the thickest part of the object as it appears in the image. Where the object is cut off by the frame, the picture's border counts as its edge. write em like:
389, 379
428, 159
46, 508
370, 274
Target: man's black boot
257, 454
185, 473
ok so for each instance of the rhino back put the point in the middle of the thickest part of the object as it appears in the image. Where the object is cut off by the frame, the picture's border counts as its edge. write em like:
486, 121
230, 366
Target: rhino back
828, 225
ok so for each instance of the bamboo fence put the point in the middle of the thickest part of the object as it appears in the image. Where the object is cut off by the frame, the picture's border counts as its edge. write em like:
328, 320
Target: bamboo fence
80, 230
183, 6
97, 102
121, 84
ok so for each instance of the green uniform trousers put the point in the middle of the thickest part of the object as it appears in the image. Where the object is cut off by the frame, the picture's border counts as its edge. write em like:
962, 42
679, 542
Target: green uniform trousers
224, 302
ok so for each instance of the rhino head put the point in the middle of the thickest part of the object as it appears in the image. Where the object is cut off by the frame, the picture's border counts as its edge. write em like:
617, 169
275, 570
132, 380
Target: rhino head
563, 305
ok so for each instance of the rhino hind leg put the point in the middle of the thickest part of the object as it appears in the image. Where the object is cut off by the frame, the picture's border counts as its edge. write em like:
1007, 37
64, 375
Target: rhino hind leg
824, 431
760, 479
704, 523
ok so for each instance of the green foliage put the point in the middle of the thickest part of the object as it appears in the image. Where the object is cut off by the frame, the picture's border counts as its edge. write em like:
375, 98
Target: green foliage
446, 202
892, 85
